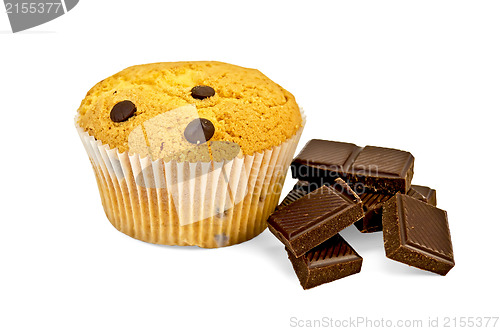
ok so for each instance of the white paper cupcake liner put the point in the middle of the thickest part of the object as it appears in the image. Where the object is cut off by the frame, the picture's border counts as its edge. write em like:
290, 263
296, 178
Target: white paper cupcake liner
207, 204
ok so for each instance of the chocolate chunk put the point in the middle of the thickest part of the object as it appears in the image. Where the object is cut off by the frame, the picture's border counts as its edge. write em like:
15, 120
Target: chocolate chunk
417, 233
423, 193
332, 260
373, 203
376, 169
199, 131
202, 92
372, 206
122, 111
316, 217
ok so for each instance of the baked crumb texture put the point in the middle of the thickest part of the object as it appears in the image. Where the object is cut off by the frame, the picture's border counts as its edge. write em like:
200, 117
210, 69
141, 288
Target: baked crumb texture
248, 108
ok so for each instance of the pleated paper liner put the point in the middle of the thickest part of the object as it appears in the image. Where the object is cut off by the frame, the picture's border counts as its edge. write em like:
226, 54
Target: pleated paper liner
207, 204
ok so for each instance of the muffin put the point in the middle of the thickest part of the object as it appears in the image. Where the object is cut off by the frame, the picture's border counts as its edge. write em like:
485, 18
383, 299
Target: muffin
189, 153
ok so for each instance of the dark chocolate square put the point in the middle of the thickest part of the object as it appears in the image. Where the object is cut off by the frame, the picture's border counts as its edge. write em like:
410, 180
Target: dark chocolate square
332, 260
316, 217
417, 233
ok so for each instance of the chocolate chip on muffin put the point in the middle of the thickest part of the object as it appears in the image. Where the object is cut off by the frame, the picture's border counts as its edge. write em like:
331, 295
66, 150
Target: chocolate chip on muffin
199, 130
122, 111
202, 92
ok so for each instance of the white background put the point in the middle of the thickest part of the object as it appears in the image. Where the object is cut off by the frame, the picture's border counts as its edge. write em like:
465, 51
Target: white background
422, 76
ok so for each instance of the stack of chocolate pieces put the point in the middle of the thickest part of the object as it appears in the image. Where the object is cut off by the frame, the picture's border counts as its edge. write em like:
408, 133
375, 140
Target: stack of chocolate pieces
341, 184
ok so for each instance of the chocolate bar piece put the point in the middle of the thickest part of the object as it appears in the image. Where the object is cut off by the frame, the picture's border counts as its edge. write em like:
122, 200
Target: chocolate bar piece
373, 202
316, 217
332, 260
417, 233
300, 189
372, 207
372, 168
423, 193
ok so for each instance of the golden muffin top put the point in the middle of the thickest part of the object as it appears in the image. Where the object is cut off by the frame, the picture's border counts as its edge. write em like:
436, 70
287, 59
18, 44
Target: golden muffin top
152, 106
